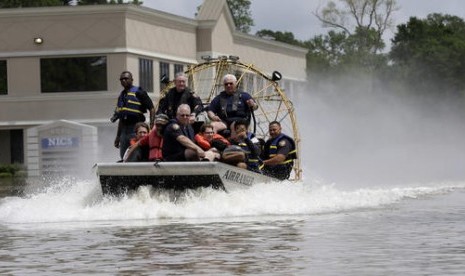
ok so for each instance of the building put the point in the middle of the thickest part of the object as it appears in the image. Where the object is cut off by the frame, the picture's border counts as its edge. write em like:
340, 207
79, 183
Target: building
63, 63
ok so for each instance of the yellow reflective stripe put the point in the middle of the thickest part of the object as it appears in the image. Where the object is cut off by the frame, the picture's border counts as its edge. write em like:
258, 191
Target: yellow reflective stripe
261, 166
132, 110
132, 94
273, 147
133, 102
292, 151
253, 160
286, 161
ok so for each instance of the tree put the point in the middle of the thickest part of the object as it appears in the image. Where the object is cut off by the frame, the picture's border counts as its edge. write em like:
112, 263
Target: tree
30, 3
364, 20
242, 15
430, 53
286, 37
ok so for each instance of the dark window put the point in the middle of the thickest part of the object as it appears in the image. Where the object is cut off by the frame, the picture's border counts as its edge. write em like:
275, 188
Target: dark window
164, 73
146, 74
178, 68
17, 146
73, 74
3, 78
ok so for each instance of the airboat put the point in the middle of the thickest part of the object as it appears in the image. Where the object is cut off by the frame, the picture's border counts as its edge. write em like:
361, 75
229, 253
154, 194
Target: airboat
206, 80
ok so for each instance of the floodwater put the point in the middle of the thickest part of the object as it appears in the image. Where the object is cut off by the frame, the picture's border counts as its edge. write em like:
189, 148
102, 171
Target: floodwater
305, 228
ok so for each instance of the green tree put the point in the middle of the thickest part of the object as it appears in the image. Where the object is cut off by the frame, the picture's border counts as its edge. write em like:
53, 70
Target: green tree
364, 20
430, 53
242, 15
286, 37
30, 3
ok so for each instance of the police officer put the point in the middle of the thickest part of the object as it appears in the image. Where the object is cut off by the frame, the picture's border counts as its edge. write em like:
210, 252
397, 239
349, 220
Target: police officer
178, 138
278, 153
231, 104
132, 103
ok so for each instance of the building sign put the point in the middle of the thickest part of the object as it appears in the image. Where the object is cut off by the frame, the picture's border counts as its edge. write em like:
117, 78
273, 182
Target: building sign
60, 142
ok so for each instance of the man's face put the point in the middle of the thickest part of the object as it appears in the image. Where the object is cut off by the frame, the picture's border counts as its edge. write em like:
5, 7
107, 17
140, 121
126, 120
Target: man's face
208, 134
180, 83
274, 130
183, 117
229, 86
126, 80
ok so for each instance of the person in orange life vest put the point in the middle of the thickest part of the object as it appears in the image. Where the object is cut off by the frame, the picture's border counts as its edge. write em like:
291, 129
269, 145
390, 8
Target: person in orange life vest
132, 103
278, 153
141, 130
154, 140
207, 138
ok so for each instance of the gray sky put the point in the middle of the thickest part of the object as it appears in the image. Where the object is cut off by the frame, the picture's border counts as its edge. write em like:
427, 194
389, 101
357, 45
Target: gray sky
296, 15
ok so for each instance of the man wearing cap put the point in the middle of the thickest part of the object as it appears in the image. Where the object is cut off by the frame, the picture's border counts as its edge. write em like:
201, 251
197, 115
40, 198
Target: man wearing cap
153, 141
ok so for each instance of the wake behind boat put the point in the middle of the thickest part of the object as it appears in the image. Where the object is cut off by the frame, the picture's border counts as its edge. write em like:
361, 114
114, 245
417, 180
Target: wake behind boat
206, 80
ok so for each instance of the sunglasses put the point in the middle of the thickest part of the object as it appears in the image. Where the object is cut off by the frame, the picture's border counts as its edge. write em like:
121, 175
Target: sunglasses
124, 79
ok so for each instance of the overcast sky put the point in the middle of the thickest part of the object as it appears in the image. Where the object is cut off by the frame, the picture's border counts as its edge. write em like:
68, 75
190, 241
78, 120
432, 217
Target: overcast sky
296, 15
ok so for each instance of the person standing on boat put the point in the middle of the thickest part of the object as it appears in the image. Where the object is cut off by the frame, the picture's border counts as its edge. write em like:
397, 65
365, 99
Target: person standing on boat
278, 153
178, 138
231, 104
132, 103
152, 142
180, 94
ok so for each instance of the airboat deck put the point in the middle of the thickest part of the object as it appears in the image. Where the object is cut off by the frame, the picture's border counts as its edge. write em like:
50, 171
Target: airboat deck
120, 178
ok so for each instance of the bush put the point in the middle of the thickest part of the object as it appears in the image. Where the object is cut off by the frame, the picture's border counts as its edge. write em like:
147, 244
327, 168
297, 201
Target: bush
11, 170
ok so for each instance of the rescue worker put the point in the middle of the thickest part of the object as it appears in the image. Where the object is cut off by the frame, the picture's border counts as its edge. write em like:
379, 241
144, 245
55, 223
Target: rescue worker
178, 138
132, 103
248, 143
231, 104
180, 94
278, 153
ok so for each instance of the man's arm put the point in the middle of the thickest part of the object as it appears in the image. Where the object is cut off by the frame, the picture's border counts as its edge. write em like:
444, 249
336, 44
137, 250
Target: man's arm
118, 134
186, 142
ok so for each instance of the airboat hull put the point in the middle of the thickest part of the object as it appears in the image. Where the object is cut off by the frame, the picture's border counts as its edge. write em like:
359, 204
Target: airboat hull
120, 178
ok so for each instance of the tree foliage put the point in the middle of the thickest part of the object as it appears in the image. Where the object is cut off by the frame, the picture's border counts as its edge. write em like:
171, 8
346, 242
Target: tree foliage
50, 3
286, 37
430, 53
242, 15
363, 20
29, 3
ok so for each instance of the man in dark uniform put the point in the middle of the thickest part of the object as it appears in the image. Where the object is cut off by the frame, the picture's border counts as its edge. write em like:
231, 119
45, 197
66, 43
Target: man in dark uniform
132, 103
278, 153
178, 138
231, 104
180, 94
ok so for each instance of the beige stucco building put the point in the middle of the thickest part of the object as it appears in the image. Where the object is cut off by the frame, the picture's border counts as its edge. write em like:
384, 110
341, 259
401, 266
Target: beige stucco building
63, 63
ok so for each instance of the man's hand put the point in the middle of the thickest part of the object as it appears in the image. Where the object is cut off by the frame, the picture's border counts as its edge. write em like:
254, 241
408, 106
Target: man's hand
117, 142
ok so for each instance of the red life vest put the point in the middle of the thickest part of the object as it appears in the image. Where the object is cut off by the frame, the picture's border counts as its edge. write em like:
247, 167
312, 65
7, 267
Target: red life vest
155, 143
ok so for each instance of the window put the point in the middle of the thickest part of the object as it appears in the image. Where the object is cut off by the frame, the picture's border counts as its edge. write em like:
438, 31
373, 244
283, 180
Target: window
146, 74
164, 70
178, 68
3, 78
73, 74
